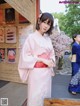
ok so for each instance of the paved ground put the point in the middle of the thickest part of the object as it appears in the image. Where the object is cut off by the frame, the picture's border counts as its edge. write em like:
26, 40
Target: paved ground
17, 93
60, 87
3, 83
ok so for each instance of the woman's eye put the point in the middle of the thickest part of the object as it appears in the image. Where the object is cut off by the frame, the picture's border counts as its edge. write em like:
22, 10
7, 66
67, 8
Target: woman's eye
47, 23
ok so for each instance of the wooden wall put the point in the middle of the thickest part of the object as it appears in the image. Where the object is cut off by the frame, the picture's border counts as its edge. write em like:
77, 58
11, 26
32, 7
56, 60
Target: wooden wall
27, 8
9, 71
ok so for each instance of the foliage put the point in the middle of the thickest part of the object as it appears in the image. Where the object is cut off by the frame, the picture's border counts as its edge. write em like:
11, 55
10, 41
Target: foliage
60, 63
61, 18
70, 21
61, 42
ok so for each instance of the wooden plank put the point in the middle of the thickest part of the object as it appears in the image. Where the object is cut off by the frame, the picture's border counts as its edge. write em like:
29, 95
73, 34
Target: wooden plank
61, 102
29, 10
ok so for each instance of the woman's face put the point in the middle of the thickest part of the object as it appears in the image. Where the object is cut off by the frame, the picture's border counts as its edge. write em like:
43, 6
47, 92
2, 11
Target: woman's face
77, 38
44, 26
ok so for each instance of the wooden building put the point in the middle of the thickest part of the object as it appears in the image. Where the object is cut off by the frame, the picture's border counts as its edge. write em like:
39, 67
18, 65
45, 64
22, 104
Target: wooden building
15, 16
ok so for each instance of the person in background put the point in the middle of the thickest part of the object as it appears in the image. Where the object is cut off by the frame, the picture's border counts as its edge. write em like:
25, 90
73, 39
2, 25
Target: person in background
74, 85
37, 60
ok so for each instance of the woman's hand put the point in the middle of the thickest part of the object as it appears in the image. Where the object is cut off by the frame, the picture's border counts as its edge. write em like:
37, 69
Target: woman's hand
50, 63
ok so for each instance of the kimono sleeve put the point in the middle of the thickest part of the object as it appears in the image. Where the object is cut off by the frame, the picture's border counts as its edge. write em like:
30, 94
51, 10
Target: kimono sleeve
52, 56
26, 60
52, 52
74, 49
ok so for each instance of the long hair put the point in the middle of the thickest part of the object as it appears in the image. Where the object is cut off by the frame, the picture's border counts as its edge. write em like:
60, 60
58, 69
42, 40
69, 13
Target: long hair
43, 18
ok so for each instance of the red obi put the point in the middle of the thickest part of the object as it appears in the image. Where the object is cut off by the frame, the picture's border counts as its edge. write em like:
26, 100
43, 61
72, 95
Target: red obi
40, 65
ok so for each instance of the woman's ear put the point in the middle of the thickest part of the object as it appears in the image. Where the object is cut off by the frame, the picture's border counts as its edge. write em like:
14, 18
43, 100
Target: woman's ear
75, 39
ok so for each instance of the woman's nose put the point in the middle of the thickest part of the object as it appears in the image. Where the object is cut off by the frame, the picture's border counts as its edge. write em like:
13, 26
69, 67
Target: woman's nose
46, 25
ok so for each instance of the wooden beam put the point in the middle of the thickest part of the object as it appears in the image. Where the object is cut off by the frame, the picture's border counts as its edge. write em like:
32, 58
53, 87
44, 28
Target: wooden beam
37, 8
26, 8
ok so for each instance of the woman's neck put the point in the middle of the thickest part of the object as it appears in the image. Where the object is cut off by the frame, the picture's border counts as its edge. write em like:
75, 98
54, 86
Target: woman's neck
41, 33
77, 42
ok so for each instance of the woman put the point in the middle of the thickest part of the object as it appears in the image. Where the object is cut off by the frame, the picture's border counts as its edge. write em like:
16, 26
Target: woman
37, 61
74, 86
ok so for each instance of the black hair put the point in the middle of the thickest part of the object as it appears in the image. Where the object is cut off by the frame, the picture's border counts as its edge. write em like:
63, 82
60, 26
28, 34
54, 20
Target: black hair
74, 36
44, 17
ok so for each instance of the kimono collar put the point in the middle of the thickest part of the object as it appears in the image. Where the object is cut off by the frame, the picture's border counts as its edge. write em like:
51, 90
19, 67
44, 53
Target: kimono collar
43, 41
39, 34
76, 42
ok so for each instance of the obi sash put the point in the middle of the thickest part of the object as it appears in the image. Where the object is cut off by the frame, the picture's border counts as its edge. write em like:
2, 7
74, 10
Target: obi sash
40, 65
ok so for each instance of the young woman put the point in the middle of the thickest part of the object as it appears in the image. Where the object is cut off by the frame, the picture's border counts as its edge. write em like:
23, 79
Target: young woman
37, 61
74, 86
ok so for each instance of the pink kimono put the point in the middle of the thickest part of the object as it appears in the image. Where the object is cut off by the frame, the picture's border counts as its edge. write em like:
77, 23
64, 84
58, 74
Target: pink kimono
39, 78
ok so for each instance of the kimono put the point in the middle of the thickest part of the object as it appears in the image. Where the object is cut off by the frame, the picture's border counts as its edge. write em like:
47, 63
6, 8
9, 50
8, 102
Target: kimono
74, 85
38, 77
